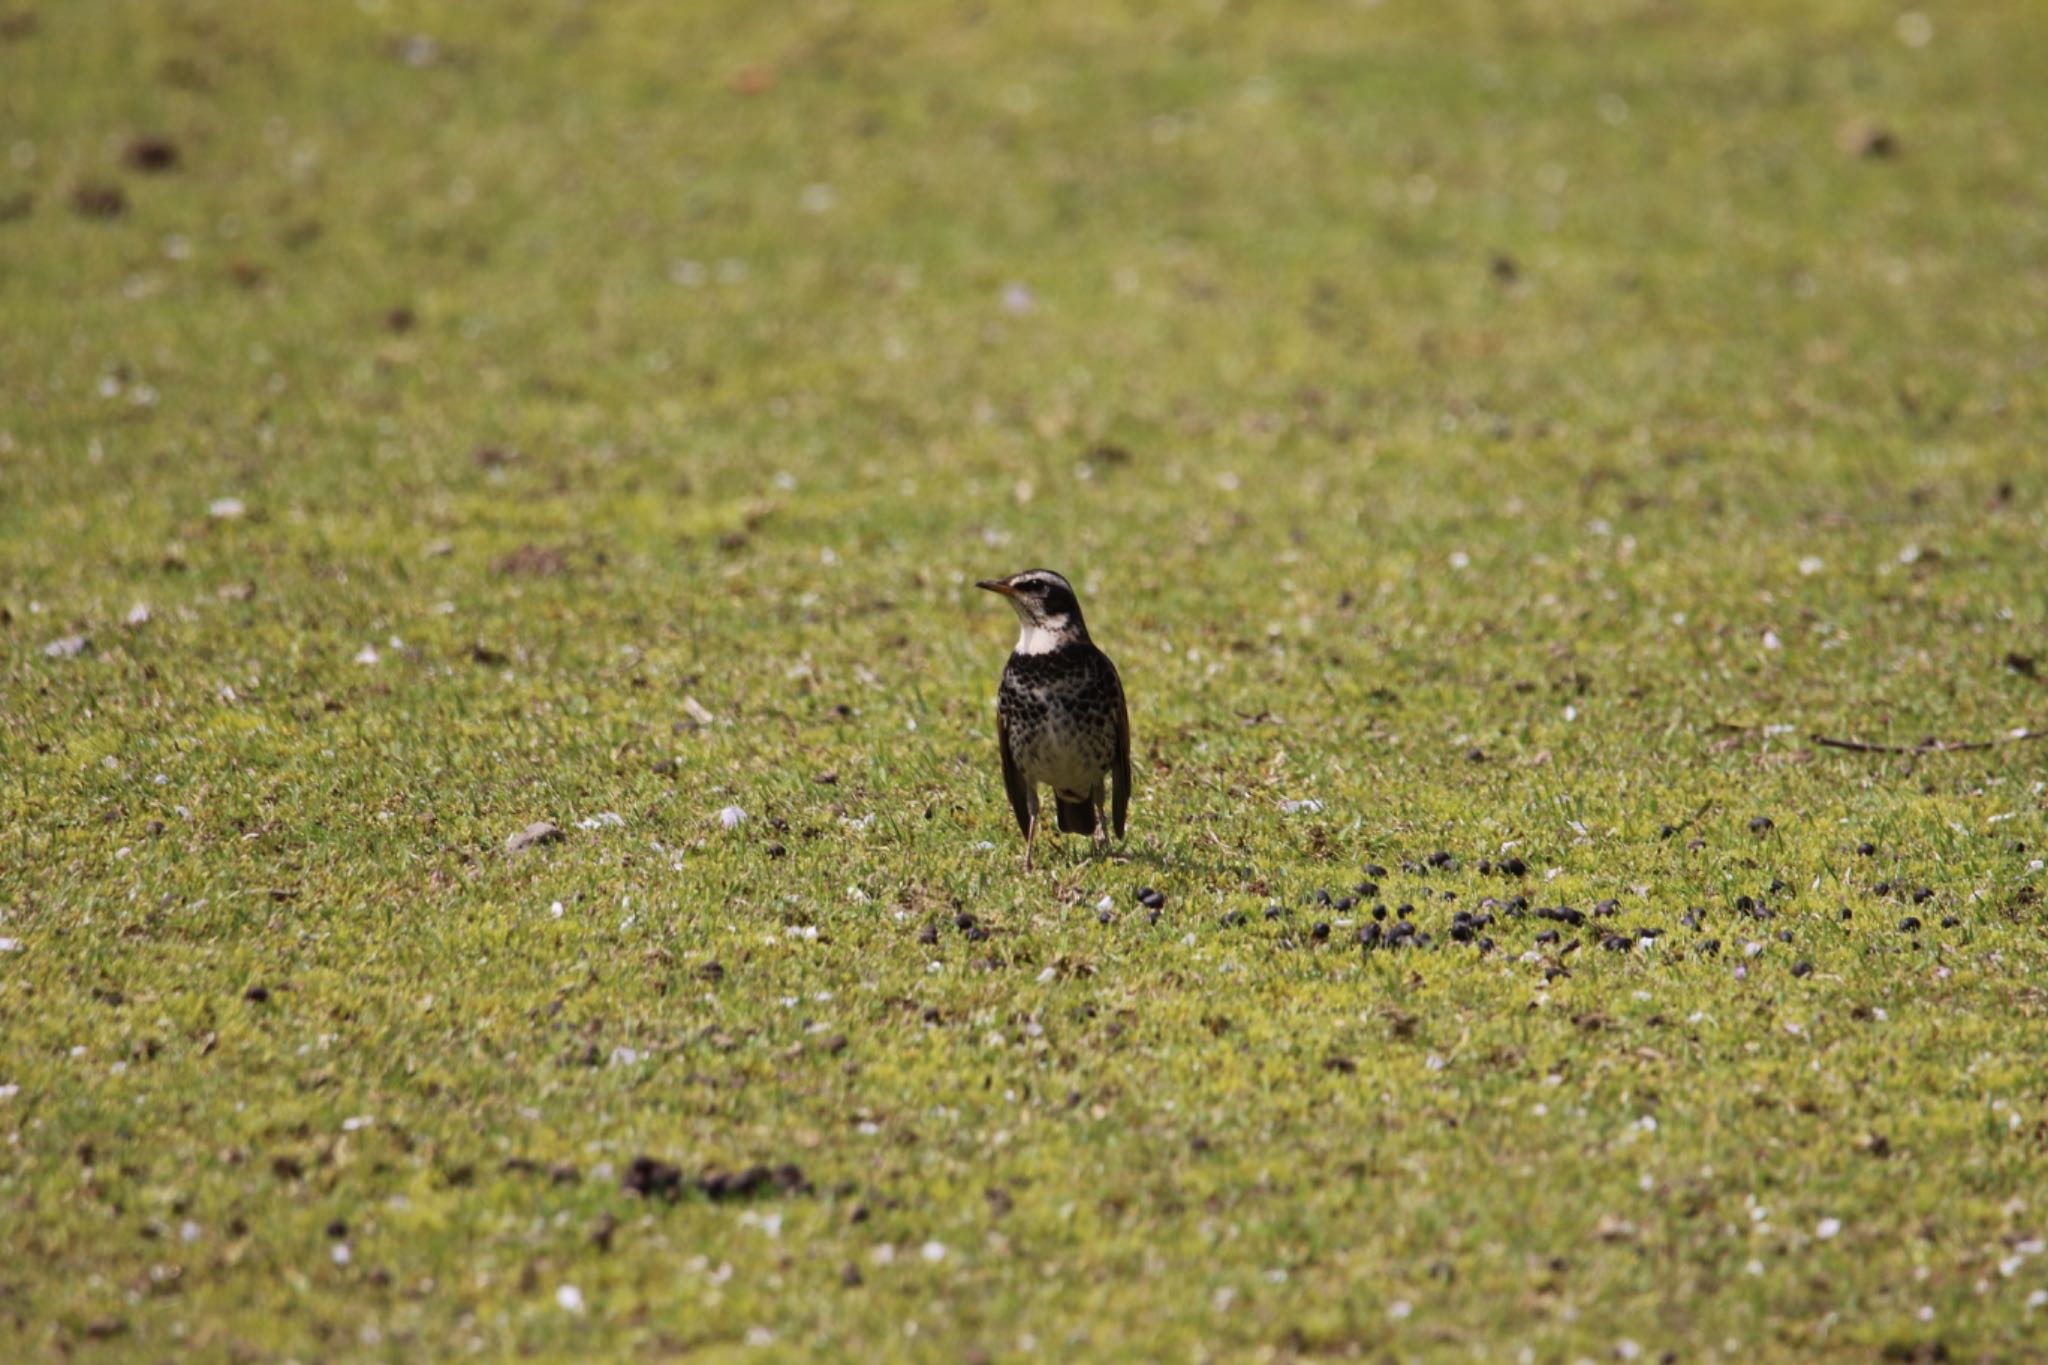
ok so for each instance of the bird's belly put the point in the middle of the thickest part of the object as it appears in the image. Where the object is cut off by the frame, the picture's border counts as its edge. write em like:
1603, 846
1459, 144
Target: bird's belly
1067, 760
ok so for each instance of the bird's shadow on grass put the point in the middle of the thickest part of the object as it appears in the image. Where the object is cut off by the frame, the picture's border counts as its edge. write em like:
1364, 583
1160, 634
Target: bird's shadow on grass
1176, 861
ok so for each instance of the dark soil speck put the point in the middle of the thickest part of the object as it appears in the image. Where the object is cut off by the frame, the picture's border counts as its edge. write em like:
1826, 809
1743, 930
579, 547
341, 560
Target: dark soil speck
99, 201
650, 1178
152, 154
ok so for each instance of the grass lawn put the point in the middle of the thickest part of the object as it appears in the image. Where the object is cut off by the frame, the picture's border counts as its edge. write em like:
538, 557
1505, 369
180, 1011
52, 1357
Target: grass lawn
1494, 440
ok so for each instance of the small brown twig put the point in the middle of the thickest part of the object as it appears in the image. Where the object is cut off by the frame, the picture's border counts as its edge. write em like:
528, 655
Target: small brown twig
1689, 821
1928, 746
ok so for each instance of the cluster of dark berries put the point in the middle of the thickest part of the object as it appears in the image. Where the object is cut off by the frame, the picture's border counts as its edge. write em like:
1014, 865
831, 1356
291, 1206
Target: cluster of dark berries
1401, 933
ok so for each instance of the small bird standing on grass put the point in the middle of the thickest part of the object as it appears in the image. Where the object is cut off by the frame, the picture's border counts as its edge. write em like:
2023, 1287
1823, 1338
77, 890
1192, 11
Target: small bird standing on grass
1060, 714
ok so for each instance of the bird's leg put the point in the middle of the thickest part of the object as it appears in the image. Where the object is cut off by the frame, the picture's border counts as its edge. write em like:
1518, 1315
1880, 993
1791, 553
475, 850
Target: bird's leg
1029, 835
1101, 825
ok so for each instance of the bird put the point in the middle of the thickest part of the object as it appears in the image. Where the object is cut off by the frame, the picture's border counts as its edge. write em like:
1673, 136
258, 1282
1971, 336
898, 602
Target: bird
1061, 720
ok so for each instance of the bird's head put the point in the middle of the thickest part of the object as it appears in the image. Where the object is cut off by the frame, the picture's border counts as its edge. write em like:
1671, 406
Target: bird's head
1045, 605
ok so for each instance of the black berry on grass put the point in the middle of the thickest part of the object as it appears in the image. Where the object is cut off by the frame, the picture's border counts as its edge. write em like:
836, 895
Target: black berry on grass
1151, 899
1802, 969
1762, 824
1321, 932
1910, 924
1867, 849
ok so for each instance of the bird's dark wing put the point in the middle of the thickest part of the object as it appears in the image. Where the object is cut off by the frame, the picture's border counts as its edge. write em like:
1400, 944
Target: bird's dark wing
1120, 772
1013, 780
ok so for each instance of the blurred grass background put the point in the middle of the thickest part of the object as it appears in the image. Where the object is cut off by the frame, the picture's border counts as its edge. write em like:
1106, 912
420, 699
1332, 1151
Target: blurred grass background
433, 418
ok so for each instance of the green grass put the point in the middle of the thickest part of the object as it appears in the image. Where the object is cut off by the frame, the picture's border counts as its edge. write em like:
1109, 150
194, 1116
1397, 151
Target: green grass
1396, 381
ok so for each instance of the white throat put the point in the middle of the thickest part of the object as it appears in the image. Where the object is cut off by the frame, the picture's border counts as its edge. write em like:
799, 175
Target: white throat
1044, 639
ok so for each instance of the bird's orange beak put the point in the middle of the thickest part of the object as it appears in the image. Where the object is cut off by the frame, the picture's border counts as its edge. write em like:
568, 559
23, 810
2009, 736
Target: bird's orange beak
997, 585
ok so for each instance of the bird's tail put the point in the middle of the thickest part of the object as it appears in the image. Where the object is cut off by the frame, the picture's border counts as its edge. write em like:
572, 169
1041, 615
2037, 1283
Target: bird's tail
1076, 817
